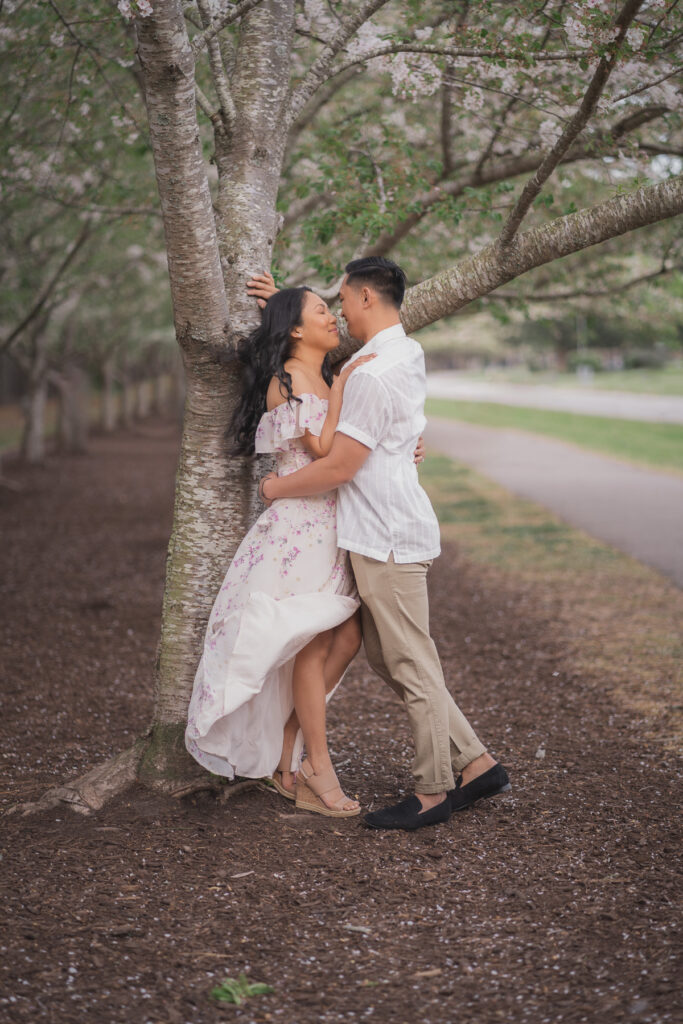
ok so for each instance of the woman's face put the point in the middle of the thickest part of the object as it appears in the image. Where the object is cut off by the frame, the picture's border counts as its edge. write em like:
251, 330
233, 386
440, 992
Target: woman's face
318, 328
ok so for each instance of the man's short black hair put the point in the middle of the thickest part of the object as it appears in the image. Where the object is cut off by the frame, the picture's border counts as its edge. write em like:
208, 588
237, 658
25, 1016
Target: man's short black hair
385, 276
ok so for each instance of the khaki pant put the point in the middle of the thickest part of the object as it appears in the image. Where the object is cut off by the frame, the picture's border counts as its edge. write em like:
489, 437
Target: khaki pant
395, 615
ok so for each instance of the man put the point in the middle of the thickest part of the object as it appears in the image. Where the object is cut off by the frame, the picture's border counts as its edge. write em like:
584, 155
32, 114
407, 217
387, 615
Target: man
386, 522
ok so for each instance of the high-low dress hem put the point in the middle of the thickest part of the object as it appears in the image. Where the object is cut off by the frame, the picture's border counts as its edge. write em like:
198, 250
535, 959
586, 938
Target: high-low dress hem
287, 583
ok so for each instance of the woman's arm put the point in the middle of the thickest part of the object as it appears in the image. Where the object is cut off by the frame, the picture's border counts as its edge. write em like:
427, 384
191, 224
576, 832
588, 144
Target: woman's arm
320, 446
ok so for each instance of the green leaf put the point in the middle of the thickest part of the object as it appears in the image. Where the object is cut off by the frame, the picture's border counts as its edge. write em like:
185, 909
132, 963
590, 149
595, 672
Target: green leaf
235, 991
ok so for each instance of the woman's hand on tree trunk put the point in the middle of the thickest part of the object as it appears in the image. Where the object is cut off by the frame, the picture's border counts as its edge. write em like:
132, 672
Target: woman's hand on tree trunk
261, 286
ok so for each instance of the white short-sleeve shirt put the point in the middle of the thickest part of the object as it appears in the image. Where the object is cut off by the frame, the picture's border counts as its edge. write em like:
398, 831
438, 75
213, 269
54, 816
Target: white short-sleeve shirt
384, 509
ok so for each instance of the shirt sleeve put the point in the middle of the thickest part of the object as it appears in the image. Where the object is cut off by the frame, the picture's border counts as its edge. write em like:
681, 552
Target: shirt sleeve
365, 412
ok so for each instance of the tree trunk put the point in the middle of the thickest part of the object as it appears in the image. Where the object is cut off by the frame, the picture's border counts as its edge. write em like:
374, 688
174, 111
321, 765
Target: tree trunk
73, 420
177, 399
250, 158
214, 496
160, 394
128, 403
35, 401
142, 399
109, 403
33, 408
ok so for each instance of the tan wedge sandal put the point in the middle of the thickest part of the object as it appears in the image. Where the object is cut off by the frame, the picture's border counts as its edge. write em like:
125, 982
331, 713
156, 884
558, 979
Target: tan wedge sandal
277, 780
312, 787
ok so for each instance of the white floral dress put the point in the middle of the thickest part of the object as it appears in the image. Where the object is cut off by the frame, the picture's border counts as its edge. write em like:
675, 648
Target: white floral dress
287, 583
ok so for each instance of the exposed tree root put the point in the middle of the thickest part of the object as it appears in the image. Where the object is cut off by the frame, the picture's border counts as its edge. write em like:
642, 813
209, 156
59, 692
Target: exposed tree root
222, 790
91, 791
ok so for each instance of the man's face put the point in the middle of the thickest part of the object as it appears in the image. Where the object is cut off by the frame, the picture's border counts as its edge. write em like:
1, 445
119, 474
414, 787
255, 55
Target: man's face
352, 308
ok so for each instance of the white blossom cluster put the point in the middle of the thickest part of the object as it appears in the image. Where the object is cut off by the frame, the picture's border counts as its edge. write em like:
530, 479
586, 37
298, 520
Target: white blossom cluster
367, 39
130, 8
413, 75
316, 18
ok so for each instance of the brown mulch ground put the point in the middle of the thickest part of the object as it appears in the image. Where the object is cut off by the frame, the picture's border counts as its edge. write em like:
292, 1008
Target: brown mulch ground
556, 903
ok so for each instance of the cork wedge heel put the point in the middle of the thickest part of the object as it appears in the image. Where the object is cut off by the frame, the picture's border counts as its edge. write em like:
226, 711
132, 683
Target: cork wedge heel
312, 787
276, 778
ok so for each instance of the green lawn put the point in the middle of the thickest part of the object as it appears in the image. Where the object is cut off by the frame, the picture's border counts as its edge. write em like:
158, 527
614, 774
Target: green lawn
668, 381
653, 444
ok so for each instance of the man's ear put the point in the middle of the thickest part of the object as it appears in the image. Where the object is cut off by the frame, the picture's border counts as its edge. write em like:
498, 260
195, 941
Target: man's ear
365, 296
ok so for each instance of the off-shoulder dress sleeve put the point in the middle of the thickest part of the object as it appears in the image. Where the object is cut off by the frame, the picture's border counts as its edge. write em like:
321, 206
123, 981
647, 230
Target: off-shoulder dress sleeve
289, 420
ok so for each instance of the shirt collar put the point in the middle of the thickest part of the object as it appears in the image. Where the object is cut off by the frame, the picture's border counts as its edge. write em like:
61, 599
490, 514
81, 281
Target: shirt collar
382, 337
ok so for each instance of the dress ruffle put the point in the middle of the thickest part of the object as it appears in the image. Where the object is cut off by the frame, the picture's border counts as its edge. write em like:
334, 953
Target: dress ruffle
289, 420
235, 717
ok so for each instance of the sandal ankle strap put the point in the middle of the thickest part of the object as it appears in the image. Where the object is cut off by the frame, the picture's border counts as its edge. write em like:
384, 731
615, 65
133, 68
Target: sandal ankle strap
321, 782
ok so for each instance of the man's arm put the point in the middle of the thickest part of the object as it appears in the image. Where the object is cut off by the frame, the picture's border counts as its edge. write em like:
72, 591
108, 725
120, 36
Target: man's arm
341, 465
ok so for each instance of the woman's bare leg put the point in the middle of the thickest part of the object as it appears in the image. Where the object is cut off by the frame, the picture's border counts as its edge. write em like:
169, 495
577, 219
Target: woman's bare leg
346, 643
342, 649
308, 690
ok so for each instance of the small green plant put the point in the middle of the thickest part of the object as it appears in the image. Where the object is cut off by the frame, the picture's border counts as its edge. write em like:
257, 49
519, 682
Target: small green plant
233, 990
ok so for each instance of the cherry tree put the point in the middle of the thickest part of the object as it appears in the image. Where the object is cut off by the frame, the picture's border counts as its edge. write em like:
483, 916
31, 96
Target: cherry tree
297, 135
81, 224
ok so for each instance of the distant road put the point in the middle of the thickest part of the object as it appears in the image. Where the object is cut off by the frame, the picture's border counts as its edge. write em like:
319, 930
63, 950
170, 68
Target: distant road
623, 405
639, 511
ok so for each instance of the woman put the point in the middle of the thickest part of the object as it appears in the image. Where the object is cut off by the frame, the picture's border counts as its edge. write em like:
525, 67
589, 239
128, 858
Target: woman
284, 626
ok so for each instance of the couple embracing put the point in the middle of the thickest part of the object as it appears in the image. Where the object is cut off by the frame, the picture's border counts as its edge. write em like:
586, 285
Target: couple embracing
340, 555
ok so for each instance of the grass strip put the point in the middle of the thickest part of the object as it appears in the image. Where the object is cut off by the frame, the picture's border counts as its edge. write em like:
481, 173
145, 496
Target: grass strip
668, 381
658, 445
618, 619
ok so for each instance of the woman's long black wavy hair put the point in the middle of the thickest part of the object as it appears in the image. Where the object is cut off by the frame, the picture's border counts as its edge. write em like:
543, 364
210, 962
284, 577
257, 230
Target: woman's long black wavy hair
263, 355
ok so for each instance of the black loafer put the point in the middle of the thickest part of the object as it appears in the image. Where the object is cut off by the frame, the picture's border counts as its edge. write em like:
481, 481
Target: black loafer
409, 815
495, 780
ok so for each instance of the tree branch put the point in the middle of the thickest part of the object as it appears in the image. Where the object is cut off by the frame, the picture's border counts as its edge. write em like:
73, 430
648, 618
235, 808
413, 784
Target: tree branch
319, 70
494, 265
302, 207
218, 72
71, 254
206, 106
447, 124
204, 38
460, 51
578, 122
502, 169
584, 293
321, 97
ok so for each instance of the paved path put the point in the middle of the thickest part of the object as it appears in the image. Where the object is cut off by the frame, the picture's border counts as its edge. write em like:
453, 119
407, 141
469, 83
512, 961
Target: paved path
615, 404
639, 511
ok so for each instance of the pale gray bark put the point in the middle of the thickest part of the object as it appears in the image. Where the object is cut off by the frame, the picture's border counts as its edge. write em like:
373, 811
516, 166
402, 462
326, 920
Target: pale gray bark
35, 401
213, 498
73, 420
250, 160
109, 411
143, 399
33, 408
91, 791
128, 403
160, 389
480, 274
